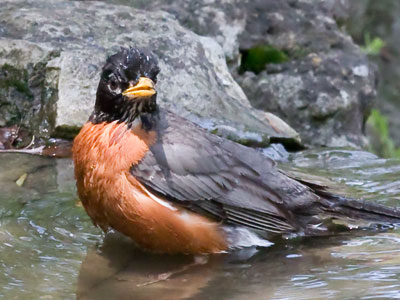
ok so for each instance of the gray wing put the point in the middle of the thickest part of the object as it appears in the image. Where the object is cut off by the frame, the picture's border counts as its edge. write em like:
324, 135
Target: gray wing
217, 177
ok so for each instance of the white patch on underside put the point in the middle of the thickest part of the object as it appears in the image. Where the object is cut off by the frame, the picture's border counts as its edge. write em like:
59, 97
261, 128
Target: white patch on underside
237, 237
160, 201
240, 237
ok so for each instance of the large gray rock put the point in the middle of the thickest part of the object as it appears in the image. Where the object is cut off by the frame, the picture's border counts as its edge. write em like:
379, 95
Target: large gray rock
326, 89
326, 97
223, 20
236, 24
56, 49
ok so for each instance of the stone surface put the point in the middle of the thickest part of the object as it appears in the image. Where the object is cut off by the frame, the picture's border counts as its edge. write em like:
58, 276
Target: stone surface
67, 53
328, 103
223, 20
327, 87
25, 98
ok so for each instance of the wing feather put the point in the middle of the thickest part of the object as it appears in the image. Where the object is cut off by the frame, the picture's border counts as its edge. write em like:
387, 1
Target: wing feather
203, 172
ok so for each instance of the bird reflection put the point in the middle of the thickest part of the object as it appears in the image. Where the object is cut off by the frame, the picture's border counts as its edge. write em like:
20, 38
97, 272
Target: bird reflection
119, 270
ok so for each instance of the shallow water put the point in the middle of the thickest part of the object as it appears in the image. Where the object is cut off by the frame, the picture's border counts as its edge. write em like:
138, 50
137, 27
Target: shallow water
50, 250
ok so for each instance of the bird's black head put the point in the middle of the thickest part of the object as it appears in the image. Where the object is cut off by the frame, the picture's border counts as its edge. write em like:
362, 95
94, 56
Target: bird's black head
126, 87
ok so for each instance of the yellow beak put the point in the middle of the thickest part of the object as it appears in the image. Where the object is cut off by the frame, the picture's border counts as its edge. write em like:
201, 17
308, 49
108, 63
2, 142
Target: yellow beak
144, 88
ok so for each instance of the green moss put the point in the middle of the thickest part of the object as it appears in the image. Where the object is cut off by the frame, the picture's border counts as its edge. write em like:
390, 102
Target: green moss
256, 58
66, 132
380, 126
243, 141
214, 131
374, 46
12, 77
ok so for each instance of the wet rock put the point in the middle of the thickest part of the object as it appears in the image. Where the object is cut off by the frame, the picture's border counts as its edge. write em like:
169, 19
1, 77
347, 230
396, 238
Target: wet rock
14, 137
25, 97
62, 73
315, 77
7, 136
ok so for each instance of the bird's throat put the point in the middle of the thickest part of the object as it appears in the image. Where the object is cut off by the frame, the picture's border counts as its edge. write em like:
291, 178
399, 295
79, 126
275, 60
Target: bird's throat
132, 113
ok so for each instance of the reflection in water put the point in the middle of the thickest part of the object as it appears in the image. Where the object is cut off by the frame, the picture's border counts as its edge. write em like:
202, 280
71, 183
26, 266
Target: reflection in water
311, 268
118, 270
50, 250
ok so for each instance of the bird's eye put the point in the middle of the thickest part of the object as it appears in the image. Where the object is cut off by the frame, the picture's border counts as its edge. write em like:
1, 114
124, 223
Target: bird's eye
113, 83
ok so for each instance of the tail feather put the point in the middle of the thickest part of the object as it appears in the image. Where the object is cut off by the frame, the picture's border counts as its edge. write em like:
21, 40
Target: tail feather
359, 209
340, 206
334, 205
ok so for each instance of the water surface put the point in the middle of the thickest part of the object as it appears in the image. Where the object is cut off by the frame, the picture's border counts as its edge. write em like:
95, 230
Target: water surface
50, 250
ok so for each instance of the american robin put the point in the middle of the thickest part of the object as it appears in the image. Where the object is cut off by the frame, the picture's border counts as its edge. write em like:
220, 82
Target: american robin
175, 188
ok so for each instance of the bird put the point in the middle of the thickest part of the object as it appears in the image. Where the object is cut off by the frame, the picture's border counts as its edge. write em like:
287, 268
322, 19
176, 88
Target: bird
175, 188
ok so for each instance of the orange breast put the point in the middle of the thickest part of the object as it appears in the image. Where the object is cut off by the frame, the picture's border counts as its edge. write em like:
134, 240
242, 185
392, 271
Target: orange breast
103, 155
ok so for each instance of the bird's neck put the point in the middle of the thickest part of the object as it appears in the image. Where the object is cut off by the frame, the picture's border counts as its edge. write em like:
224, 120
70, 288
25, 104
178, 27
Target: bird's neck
146, 120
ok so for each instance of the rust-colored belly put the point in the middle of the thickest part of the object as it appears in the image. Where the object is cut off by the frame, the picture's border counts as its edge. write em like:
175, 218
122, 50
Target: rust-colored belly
103, 155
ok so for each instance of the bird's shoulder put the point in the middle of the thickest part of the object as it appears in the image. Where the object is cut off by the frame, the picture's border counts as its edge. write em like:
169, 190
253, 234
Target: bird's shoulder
229, 181
183, 137
187, 163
